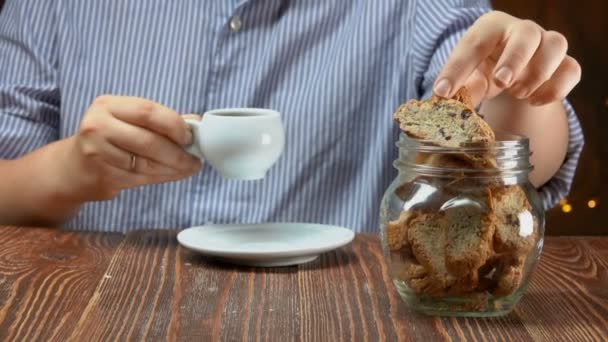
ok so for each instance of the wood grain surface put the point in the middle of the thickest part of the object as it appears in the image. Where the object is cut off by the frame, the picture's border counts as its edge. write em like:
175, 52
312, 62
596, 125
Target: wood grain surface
46, 280
57, 286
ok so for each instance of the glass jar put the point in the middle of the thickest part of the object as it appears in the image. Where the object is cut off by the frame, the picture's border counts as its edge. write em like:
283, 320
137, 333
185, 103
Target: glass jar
462, 228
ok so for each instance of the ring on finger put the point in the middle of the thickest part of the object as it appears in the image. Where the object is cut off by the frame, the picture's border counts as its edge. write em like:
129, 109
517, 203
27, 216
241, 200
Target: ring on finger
133, 162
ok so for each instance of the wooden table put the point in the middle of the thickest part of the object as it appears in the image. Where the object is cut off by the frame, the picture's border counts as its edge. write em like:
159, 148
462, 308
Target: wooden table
61, 286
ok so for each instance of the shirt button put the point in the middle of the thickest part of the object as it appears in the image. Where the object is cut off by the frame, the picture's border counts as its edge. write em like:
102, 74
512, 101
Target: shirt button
236, 23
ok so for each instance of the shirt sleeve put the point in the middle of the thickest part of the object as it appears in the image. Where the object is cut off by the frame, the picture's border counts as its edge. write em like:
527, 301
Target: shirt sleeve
558, 187
439, 26
29, 94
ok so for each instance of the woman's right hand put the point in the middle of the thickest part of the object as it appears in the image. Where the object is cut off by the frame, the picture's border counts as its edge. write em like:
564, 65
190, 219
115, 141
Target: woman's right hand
125, 142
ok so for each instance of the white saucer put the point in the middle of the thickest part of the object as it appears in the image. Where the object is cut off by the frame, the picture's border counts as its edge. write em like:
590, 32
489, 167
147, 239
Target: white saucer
265, 245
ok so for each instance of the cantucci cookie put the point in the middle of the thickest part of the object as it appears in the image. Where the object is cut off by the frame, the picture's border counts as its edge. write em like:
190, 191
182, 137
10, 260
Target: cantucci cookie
508, 281
516, 226
396, 232
446, 122
470, 229
427, 236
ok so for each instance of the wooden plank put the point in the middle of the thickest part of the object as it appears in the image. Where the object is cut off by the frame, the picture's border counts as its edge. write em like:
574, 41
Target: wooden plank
262, 304
135, 300
568, 295
599, 246
160, 291
46, 279
347, 295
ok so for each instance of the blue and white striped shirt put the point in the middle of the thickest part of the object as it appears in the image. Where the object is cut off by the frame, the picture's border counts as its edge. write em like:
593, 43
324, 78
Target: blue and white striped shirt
336, 70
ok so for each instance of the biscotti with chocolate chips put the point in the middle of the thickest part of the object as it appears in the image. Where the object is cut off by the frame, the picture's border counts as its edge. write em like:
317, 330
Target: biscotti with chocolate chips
446, 122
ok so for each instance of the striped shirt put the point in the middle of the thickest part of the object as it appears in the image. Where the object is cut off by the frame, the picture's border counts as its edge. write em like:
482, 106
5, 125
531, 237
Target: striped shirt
336, 70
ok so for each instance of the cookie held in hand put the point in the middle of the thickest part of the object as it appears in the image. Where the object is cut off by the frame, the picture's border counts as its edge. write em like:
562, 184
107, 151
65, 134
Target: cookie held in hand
446, 122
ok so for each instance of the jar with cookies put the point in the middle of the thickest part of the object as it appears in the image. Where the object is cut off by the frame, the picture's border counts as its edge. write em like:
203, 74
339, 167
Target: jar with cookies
461, 226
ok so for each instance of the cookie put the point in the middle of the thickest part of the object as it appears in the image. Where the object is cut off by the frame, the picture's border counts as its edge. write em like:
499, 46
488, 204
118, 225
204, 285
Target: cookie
396, 232
516, 226
427, 235
445, 122
470, 229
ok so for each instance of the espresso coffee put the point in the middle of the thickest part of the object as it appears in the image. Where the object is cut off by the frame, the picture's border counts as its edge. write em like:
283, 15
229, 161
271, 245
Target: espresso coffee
241, 115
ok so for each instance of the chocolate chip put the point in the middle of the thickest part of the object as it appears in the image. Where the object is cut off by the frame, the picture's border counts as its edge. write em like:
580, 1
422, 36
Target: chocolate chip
448, 137
452, 114
512, 220
465, 114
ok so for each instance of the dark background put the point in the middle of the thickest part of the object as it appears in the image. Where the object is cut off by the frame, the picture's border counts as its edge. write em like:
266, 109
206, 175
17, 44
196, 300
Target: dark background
585, 24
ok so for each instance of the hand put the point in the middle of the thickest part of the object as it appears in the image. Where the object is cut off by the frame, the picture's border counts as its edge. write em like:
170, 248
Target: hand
116, 128
503, 53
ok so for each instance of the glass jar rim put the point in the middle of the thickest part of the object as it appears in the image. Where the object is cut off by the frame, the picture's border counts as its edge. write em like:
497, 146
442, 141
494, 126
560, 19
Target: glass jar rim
504, 141
511, 153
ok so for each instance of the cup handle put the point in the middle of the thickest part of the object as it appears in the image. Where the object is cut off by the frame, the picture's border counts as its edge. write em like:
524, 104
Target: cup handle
194, 148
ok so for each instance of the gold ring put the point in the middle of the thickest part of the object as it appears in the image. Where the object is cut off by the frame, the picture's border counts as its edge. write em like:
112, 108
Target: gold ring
133, 161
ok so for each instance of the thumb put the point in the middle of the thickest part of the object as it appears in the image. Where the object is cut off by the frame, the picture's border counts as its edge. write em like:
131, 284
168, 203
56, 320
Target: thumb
192, 117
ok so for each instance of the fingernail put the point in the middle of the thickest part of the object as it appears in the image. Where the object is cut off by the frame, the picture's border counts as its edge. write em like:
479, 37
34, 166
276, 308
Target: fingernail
443, 88
504, 75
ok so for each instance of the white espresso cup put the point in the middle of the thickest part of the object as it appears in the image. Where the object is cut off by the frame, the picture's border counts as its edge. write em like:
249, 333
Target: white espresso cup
239, 143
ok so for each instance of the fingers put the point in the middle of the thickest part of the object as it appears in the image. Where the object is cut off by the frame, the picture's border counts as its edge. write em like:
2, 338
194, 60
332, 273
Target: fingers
543, 64
148, 167
567, 75
500, 52
150, 145
480, 83
100, 125
478, 86
95, 146
522, 43
149, 115
116, 128
476, 45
